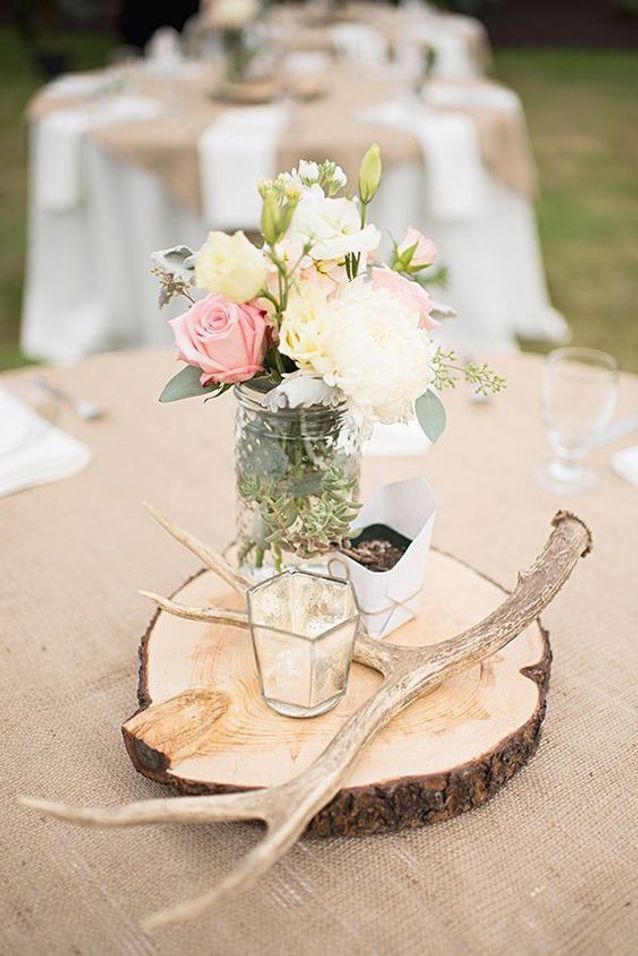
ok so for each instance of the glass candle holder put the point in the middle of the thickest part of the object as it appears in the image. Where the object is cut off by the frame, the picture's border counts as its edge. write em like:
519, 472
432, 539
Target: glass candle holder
303, 628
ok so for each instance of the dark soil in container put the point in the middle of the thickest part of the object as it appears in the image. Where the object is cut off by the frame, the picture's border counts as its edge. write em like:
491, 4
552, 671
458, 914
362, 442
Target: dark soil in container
378, 547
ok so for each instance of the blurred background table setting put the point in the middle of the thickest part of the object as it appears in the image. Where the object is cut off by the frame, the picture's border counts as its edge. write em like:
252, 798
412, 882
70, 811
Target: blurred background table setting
148, 147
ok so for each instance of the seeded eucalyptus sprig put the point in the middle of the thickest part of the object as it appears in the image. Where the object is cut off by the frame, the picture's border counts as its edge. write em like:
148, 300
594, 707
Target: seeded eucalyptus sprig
448, 372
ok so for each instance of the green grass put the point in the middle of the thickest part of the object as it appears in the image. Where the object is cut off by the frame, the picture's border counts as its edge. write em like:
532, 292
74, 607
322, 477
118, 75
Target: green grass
582, 111
18, 82
583, 116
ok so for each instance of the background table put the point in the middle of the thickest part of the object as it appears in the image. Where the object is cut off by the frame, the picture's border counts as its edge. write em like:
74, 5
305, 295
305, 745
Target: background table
549, 866
88, 286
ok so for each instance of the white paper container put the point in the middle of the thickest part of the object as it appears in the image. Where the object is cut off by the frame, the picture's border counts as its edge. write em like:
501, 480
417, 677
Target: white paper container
390, 598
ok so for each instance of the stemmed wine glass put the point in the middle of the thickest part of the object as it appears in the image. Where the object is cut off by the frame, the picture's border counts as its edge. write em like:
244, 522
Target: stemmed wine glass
578, 397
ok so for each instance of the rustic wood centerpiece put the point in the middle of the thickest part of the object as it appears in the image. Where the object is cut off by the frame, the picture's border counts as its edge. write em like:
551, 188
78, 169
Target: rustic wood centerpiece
463, 731
202, 726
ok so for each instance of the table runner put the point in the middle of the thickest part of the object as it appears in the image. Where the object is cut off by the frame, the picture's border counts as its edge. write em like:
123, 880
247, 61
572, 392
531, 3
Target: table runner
549, 866
323, 127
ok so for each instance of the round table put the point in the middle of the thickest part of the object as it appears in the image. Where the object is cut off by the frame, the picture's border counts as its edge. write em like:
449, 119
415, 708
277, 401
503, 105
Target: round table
549, 866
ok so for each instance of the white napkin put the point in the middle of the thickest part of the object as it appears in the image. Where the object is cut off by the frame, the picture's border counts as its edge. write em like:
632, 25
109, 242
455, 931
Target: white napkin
625, 464
452, 60
471, 96
360, 43
454, 171
235, 152
403, 440
58, 178
32, 451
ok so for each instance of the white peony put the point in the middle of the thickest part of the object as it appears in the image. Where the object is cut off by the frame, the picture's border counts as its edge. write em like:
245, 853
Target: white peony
333, 226
364, 342
381, 358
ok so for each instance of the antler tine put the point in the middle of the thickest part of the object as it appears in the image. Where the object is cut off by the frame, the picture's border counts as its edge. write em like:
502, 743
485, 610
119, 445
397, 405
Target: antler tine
367, 651
213, 615
250, 805
210, 558
244, 875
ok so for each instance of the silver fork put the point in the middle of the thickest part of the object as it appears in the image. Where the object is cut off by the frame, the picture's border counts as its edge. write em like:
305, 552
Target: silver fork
87, 411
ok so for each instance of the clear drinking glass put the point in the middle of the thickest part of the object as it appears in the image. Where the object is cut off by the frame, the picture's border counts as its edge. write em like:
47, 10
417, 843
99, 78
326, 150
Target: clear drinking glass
578, 396
303, 628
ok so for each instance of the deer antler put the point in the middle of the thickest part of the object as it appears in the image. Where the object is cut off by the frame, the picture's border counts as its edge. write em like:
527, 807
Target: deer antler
407, 673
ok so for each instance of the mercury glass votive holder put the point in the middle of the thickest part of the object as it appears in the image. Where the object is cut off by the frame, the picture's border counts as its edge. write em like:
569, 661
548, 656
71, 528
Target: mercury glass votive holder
303, 628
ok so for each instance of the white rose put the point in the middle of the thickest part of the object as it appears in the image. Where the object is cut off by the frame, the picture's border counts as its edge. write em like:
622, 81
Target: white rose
332, 225
231, 266
380, 357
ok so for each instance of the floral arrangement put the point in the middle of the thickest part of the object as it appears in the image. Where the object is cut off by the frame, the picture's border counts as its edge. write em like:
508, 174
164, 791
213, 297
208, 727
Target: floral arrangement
231, 14
232, 19
313, 320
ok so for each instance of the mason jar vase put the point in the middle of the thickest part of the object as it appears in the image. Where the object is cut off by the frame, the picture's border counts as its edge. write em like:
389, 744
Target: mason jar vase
297, 472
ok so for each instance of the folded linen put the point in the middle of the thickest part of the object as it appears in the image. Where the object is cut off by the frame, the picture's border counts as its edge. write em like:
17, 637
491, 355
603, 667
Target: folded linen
32, 450
488, 96
235, 152
402, 440
58, 170
360, 43
449, 141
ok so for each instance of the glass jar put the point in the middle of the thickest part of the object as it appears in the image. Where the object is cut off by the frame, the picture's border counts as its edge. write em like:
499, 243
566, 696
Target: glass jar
297, 473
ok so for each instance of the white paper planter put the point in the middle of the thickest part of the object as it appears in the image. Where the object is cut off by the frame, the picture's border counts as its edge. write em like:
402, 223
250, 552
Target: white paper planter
388, 599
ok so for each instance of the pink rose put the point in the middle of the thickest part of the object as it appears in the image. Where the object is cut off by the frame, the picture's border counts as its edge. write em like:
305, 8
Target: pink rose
412, 295
227, 340
425, 252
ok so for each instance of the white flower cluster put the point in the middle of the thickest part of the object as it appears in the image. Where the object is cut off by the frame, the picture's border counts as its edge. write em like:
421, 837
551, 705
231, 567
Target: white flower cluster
364, 342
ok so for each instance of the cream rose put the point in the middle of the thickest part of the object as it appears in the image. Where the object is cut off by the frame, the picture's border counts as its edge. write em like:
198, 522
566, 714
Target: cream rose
230, 266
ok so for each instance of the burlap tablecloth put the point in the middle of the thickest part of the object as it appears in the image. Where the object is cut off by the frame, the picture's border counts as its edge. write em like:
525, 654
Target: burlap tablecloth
549, 866
325, 127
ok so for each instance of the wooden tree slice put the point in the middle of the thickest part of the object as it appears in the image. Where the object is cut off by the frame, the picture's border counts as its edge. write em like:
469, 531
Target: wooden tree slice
202, 726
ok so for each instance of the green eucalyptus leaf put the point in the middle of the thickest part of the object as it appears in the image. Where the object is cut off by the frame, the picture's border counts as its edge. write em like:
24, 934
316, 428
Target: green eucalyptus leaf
185, 384
431, 414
